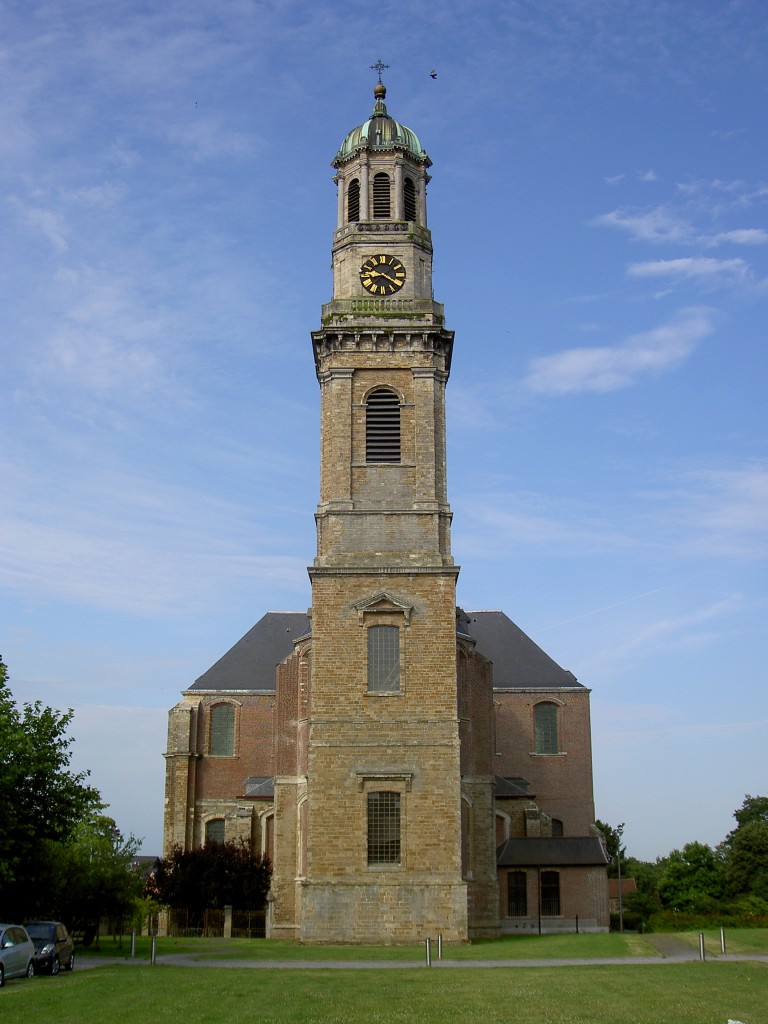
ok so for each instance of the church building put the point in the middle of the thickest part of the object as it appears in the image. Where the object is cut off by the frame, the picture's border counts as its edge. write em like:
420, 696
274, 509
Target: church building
411, 769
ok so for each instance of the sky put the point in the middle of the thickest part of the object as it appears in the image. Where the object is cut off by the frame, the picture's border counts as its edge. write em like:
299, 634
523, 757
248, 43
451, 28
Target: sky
598, 210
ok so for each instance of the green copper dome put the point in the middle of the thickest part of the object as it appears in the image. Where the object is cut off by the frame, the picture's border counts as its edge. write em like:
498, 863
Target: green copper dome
380, 133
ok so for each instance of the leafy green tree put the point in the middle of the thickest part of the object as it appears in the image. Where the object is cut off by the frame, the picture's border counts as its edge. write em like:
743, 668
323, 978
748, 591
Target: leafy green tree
614, 849
747, 861
94, 877
212, 876
692, 879
42, 799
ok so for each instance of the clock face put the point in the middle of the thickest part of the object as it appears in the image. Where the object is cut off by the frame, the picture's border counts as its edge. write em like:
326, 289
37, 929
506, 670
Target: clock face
382, 275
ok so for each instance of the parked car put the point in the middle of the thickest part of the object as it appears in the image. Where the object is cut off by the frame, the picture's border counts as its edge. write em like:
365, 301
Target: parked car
54, 948
16, 953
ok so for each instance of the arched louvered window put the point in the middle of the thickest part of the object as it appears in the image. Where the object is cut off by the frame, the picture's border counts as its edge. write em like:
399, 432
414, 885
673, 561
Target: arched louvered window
381, 197
409, 199
353, 200
382, 426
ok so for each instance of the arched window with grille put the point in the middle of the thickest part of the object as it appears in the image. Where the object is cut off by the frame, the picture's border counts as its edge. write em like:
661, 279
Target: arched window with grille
353, 200
221, 737
409, 199
381, 195
545, 727
214, 831
382, 426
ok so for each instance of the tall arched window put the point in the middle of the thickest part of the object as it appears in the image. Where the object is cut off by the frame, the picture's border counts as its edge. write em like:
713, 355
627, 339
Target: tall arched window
383, 659
353, 200
409, 199
384, 828
381, 196
222, 731
382, 426
545, 725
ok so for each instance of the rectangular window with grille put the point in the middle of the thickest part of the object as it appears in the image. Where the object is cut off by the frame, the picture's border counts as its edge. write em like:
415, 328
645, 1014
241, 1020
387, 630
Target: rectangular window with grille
517, 894
383, 659
384, 828
550, 893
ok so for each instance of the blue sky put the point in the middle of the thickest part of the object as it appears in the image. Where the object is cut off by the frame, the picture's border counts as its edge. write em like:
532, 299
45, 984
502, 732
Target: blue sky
598, 209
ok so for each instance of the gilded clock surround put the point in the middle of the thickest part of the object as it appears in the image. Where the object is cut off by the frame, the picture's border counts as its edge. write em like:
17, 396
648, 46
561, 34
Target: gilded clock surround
382, 274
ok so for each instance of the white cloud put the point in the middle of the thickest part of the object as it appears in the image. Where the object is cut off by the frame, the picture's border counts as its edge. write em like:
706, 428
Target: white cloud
610, 368
47, 222
745, 236
703, 269
657, 225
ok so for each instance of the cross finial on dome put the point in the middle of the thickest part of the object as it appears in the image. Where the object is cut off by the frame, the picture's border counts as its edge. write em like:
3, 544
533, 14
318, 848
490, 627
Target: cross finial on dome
379, 67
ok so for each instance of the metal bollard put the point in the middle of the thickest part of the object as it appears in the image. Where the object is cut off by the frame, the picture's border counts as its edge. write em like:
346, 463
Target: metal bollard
133, 943
722, 940
701, 946
440, 946
428, 945
153, 953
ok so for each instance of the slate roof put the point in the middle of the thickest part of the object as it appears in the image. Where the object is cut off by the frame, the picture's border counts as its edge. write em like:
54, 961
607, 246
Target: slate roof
517, 661
511, 787
250, 664
561, 851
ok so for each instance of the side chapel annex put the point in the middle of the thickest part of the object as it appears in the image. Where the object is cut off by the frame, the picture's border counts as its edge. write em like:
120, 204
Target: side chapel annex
410, 768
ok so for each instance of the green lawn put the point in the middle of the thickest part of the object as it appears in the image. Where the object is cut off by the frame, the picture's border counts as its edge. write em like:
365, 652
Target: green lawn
695, 993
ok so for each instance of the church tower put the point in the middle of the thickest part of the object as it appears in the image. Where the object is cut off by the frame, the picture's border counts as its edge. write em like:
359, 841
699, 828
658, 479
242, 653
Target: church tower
410, 769
379, 846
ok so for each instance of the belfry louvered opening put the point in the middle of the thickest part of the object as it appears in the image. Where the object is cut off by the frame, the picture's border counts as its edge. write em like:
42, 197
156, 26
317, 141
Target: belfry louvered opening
353, 200
382, 426
409, 199
381, 195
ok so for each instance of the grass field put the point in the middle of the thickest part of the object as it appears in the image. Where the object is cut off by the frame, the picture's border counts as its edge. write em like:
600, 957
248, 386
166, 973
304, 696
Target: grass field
663, 993
696, 993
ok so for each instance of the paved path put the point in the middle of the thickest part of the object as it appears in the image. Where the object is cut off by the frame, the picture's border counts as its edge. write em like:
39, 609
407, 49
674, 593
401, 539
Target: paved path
683, 954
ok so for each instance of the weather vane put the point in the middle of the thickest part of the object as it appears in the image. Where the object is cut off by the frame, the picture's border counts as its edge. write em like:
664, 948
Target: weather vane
379, 67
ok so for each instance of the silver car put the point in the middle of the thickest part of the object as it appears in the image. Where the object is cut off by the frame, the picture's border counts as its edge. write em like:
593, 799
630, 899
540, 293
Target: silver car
16, 953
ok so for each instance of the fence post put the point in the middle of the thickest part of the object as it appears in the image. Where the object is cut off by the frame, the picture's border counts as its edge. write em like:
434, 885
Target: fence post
228, 922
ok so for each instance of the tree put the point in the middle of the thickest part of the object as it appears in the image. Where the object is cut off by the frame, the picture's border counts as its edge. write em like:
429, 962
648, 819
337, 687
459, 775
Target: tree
745, 850
42, 799
94, 877
692, 879
614, 848
212, 876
